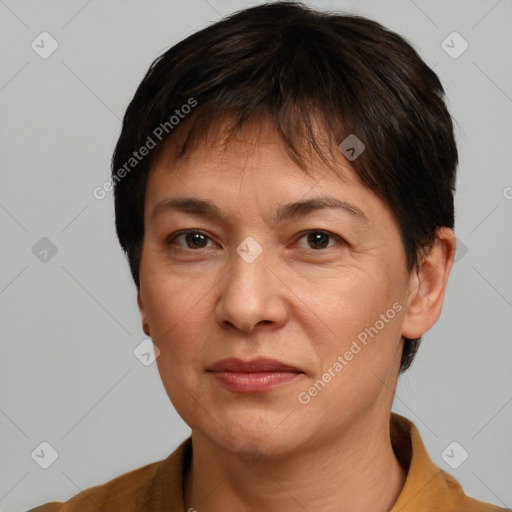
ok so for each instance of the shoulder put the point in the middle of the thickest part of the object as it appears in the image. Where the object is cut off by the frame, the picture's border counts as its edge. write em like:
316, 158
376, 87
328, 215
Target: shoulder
427, 487
138, 490
464, 503
116, 494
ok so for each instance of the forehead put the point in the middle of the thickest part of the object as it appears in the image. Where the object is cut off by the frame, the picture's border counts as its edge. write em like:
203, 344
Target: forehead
254, 166
253, 177
253, 174
257, 147
253, 182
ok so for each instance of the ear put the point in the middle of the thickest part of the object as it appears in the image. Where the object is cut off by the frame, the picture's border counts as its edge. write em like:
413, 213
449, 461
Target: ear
427, 285
145, 324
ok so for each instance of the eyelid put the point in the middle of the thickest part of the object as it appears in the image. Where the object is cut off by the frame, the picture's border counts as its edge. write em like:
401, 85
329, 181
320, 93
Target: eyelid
336, 237
171, 238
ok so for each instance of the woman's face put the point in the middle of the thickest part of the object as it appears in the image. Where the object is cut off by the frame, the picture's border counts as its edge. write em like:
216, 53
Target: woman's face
264, 273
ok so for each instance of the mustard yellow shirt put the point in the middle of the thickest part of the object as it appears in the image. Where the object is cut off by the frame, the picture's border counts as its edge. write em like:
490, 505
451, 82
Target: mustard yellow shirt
158, 487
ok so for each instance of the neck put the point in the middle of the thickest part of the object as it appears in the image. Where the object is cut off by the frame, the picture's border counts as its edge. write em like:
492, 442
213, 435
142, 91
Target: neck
355, 472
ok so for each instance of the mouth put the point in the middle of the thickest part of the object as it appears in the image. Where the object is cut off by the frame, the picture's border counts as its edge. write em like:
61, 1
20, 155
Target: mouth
255, 376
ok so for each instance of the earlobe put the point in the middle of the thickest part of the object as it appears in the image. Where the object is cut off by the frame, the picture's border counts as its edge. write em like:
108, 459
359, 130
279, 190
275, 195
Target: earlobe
428, 285
145, 324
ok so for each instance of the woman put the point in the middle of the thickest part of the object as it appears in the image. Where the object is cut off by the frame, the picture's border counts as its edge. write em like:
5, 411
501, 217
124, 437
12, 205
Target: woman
284, 193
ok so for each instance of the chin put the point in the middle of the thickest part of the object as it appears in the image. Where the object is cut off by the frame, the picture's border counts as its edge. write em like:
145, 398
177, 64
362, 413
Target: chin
250, 438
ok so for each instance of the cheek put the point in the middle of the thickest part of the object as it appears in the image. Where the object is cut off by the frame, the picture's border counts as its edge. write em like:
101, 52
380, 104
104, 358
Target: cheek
359, 347
358, 318
346, 304
178, 312
179, 324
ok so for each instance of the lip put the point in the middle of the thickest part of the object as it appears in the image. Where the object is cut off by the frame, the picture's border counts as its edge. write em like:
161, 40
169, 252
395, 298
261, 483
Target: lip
254, 376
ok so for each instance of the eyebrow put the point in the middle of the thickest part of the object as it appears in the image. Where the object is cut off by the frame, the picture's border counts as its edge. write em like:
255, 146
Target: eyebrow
206, 209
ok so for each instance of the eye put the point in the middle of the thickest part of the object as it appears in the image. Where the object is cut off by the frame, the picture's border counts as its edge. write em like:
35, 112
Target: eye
193, 239
317, 239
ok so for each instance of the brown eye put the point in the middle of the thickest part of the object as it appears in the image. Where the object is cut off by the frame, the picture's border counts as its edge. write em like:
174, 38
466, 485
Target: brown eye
317, 240
193, 240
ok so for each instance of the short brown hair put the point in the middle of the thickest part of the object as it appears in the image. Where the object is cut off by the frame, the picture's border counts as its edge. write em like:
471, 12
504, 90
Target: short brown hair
293, 65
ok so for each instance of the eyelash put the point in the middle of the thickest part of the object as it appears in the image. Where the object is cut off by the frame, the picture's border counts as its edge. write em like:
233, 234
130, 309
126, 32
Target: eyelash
337, 238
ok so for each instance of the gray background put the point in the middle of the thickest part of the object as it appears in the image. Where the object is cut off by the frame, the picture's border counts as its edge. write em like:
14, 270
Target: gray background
69, 324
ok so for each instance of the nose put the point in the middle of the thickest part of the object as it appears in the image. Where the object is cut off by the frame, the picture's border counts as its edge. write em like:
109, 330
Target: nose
252, 295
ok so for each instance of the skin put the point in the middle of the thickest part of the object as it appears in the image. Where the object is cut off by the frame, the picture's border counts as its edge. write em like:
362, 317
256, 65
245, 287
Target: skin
296, 303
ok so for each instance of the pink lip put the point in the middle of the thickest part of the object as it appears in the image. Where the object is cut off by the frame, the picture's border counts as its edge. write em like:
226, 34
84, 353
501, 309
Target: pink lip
252, 376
